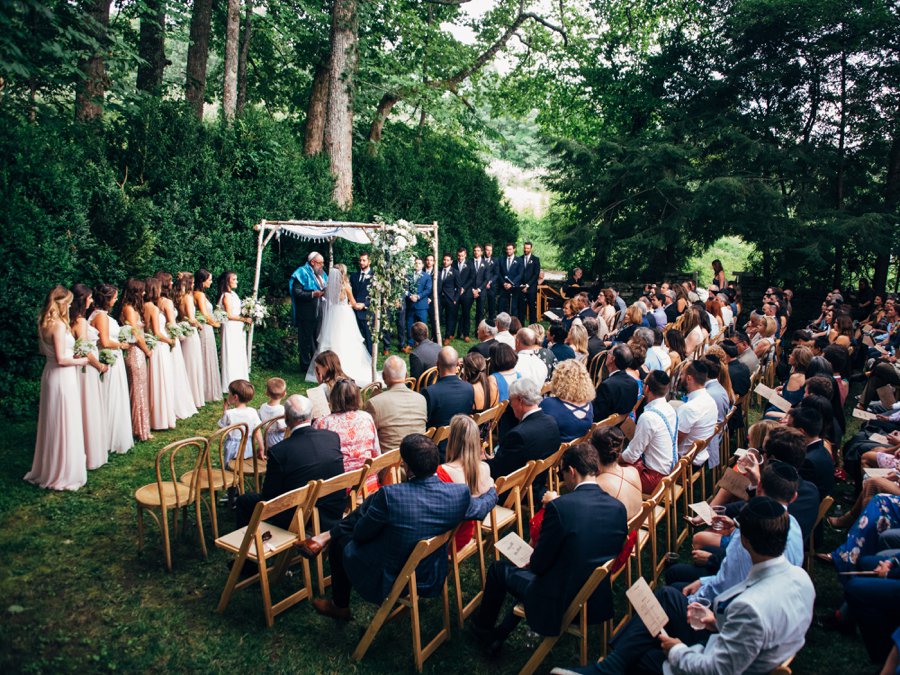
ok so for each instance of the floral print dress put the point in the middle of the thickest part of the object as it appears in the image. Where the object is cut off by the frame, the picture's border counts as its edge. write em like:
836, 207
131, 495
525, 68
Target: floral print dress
881, 513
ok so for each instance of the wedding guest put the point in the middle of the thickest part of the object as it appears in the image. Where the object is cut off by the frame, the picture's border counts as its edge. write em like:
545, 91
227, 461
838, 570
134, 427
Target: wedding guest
398, 410
528, 363
327, 366
235, 410
136, 359
486, 333
620, 481
234, 339
697, 417
307, 286
570, 401
657, 354
502, 321
475, 372
503, 368
356, 428
93, 423
677, 348
161, 373
212, 378
595, 338
619, 392
276, 388
464, 465
425, 352
577, 339
448, 396
546, 355
191, 349
654, 448
114, 386
59, 458
184, 400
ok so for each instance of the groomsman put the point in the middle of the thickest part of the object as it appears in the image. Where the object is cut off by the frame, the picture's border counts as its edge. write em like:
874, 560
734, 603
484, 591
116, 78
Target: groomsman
359, 284
432, 272
448, 292
484, 275
529, 281
508, 279
465, 278
417, 297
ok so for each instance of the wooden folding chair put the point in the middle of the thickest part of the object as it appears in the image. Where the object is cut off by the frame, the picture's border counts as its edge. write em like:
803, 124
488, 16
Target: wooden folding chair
441, 434
546, 388
475, 547
260, 541
172, 495
349, 483
487, 421
385, 466
510, 512
824, 507
369, 391
577, 611
410, 383
219, 478
612, 627
596, 366
545, 465
405, 595
426, 379
257, 466
784, 668
628, 425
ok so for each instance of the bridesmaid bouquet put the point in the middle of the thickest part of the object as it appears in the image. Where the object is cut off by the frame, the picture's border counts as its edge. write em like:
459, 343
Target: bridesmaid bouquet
200, 318
186, 329
151, 341
220, 315
108, 357
126, 334
82, 349
254, 309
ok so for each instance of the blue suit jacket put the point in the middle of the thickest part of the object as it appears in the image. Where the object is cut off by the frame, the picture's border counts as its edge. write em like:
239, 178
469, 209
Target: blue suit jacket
423, 290
397, 517
512, 274
360, 290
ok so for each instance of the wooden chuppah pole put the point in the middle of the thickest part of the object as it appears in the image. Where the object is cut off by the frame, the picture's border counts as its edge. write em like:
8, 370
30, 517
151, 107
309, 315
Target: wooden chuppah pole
259, 249
377, 327
434, 285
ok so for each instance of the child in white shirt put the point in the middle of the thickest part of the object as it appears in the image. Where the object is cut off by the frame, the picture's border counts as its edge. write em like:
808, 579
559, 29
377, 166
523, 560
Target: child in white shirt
236, 411
275, 390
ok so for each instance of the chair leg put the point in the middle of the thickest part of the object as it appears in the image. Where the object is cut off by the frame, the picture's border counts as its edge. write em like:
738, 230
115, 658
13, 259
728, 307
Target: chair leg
164, 524
416, 626
236, 568
200, 534
213, 508
377, 622
584, 636
266, 593
457, 585
537, 658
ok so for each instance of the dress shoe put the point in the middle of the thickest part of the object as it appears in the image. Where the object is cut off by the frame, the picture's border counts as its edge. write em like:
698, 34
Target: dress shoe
465, 339
328, 608
309, 548
407, 349
446, 342
835, 622
386, 352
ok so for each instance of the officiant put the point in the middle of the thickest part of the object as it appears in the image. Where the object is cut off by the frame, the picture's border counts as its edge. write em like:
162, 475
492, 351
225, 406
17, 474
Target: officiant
307, 286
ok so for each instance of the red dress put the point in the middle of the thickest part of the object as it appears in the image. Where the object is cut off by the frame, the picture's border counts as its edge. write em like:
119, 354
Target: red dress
467, 529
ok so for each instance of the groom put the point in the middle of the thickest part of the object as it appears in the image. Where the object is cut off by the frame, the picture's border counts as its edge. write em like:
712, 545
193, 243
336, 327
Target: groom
359, 284
307, 286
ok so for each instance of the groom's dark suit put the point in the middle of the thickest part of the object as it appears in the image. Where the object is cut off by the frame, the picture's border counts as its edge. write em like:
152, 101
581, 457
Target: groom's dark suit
359, 284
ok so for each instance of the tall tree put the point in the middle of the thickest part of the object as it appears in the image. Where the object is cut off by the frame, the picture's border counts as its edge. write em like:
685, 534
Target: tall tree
92, 87
339, 115
314, 132
198, 56
232, 29
243, 57
152, 46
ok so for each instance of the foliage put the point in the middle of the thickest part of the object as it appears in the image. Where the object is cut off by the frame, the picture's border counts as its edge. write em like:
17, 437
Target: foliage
393, 257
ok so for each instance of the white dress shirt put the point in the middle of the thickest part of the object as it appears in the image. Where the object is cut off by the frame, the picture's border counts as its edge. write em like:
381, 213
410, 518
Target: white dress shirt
653, 439
532, 367
727, 315
723, 405
657, 358
506, 338
697, 418
761, 622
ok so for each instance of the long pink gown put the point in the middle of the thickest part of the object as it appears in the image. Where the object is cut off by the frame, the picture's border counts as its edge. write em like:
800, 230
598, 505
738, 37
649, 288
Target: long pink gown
93, 421
193, 362
59, 459
184, 399
162, 384
212, 377
139, 388
114, 389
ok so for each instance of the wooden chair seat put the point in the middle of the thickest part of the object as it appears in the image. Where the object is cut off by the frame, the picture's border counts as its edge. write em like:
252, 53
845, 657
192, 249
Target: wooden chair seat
281, 541
249, 469
220, 479
505, 517
174, 494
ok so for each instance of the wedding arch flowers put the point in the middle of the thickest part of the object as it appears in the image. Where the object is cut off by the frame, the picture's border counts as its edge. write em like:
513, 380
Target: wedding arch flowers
392, 258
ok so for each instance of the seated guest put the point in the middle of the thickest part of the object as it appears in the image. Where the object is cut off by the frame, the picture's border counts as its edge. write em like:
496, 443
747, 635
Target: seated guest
515, 325
448, 396
745, 354
503, 368
677, 348
474, 371
697, 417
502, 321
328, 369
577, 339
882, 457
839, 358
356, 428
595, 340
569, 314
654, 449
720, 396
546, 355
307, 454
464, 466
425, 352
558, 346
752, 627
618, 393
581, 530
486, 339
583, 307
536, 436
818, 467
528, 364
618, 480
738, 371
398, 410
657, 355
795, 388
369, 547
634, 319
570, 401
657, 308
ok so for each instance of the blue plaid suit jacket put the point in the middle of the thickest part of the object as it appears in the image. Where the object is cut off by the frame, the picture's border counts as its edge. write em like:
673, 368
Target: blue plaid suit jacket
397, 517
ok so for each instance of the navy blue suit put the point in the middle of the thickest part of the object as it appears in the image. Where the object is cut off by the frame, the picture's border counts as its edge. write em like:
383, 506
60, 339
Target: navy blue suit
447, 397
448, 297
485, 275
465, 278
581, 531
418, 310
508, 274
371, 546
535, 437
616, 394
818, 468
359, 284
528, 298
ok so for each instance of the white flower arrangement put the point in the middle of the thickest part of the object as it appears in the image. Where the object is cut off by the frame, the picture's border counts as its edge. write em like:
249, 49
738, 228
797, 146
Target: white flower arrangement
126, 334
151, 341
255, 310
83, 348
220, 315
186, 329
108, 357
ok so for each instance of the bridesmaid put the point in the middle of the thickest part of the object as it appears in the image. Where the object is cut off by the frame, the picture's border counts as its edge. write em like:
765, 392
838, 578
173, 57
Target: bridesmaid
96, 436
136, 360
162, 375
184, 400
190, 346
212, 378
114, 387
234, 340
59, 459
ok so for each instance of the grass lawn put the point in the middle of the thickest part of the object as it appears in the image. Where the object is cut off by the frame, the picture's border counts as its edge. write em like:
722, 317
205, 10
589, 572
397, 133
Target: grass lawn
77, 595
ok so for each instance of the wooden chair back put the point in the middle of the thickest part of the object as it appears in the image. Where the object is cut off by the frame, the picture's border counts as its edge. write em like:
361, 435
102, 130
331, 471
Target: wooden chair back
547, 466
427, 378
487, 421
441, 434
824, 507
258, 466
199, 464
410, 383
369, 391
229, 477
387, 462
595, 367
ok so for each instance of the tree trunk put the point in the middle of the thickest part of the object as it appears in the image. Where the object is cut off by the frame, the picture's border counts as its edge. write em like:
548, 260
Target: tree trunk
339, 117
92, 87
314, 136
385, 105
151, 46
242, 59
232, 27
198, 56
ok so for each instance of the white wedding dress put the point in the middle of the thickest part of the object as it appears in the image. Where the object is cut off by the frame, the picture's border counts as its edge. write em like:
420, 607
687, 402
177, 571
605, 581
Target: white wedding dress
340, 333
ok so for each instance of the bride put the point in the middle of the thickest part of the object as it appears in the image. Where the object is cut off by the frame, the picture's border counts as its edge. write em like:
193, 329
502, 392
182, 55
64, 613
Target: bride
339, 332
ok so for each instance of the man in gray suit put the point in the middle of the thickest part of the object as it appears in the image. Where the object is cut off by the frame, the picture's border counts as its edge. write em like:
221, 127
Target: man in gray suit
398, 411
425, 353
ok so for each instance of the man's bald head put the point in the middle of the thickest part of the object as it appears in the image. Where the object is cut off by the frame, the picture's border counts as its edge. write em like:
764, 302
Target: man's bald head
447, 362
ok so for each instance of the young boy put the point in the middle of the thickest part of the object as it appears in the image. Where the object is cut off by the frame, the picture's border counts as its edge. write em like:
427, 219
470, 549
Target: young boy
240, 393
275, 390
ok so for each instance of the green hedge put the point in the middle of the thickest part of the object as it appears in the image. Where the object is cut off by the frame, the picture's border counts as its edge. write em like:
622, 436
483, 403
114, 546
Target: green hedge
152, 188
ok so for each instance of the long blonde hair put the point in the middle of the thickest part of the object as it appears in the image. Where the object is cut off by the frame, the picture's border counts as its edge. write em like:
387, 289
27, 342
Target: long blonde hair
577, 338
56, 307
464, 446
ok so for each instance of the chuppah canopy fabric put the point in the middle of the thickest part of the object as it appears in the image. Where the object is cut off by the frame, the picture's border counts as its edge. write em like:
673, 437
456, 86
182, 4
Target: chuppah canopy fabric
329, 230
